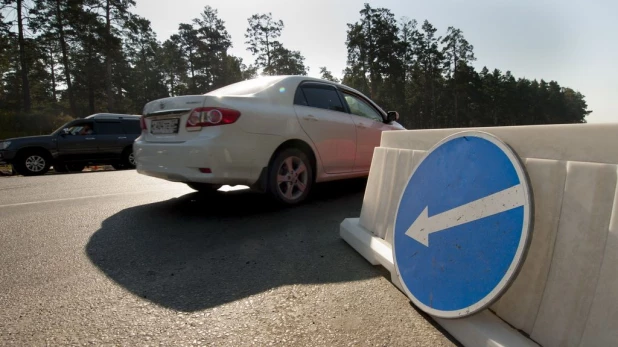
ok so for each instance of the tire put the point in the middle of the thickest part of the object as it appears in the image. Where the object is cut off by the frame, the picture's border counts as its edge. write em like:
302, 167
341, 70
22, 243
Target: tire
75, 167
290, 186
204, 188
33, 163
128, 159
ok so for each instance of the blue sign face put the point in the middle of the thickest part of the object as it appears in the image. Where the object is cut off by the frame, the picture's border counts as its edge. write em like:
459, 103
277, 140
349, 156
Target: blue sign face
462, 225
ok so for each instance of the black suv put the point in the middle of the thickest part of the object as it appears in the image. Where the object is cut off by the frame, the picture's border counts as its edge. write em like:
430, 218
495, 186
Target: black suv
99, 139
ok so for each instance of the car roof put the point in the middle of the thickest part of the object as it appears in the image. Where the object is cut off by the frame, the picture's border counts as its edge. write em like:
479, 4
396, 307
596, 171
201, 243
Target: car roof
297, 79
289, 80
113, 116
275, 87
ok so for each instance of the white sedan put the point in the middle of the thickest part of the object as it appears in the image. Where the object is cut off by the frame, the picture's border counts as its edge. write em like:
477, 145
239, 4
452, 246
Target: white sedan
279, 134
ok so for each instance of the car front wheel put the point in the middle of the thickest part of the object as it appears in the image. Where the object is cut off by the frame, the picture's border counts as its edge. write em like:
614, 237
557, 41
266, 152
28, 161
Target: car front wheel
290, 176
33, 163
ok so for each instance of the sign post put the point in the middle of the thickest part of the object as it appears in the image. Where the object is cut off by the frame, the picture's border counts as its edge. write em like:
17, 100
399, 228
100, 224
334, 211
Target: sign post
463, 225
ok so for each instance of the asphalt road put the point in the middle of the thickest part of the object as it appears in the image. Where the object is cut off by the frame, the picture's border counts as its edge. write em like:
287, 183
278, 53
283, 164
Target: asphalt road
116, 258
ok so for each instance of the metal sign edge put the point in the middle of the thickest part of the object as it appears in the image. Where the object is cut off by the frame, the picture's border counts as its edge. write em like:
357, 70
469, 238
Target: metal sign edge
524, 243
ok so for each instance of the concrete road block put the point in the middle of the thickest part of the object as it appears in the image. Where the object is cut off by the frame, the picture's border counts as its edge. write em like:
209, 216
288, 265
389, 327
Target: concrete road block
566, 293
547, 177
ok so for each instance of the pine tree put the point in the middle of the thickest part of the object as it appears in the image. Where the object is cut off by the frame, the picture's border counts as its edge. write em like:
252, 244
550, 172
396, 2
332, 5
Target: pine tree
327, 75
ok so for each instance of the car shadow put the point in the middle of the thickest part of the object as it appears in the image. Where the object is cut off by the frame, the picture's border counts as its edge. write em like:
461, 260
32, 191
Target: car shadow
196, 252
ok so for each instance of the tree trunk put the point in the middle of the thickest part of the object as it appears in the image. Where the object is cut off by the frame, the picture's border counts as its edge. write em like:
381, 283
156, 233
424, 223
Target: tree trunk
433, 94
455, 85
172, 84
193, 86
53, 75
91, 107
145, 90
371, 55
22, 60
65, 59
108, 60
267, 53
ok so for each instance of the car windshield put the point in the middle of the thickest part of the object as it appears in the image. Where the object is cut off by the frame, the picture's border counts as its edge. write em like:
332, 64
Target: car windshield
57, 131
248, 87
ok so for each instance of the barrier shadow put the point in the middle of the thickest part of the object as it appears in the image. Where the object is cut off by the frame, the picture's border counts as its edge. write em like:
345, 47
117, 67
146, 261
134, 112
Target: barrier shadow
194, 252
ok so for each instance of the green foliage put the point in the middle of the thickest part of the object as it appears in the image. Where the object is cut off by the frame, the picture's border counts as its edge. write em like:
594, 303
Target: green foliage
79, 57
91, 56
286, 62
429, 79
262, 35
325, 74
174, 66
41, 121
143, 52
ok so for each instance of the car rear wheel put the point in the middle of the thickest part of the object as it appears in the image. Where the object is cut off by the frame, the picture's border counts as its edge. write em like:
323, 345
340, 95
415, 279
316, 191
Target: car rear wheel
131, 159
128, 160
290, 176
33, 163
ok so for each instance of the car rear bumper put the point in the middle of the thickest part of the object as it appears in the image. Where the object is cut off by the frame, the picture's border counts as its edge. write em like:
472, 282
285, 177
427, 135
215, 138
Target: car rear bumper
231, 162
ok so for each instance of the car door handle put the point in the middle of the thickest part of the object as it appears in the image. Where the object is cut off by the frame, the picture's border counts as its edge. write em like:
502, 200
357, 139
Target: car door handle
310, 118
361, 126
122, 137
89, 138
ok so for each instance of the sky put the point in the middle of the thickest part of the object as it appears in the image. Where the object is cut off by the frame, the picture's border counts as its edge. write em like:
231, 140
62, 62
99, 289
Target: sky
573, 43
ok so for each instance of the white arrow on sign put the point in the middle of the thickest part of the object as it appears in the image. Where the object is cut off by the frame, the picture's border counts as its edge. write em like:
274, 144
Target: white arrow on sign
502, 201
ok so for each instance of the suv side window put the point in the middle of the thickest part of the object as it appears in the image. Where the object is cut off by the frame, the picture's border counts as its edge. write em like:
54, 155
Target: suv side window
360, 108
131, 127
81, 129
322, 96
109, 128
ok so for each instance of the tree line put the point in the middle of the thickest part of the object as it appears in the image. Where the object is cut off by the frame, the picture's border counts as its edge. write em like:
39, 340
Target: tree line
406, 66
61, 59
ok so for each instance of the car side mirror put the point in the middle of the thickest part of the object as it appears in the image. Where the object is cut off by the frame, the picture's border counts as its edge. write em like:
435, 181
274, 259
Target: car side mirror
64, 132
392, 116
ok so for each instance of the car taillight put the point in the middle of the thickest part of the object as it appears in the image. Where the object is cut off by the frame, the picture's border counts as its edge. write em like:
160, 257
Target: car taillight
142, 123
210, 116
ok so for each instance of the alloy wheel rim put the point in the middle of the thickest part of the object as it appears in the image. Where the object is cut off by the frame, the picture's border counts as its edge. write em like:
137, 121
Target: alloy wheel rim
292, 178
132, 159
35, 163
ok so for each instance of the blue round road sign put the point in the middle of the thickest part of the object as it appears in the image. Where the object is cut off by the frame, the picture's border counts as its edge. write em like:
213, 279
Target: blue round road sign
463, 225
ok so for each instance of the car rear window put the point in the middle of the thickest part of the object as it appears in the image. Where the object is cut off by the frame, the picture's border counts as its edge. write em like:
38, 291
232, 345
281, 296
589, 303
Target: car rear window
247, 87
321, 97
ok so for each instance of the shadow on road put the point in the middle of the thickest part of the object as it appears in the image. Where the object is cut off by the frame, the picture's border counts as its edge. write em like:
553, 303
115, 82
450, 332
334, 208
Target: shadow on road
194, 252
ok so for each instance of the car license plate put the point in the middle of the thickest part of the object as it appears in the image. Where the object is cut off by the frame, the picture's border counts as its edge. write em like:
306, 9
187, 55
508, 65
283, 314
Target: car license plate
164, 126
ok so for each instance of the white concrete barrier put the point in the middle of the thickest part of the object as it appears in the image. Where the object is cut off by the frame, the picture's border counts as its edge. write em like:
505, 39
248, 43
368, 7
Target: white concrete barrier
566, 293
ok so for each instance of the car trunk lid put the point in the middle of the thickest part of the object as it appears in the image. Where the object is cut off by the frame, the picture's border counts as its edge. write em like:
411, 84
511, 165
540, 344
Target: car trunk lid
166, 118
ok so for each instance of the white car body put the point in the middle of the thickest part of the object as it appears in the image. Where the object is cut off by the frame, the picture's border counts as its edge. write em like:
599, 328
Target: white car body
341, 143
